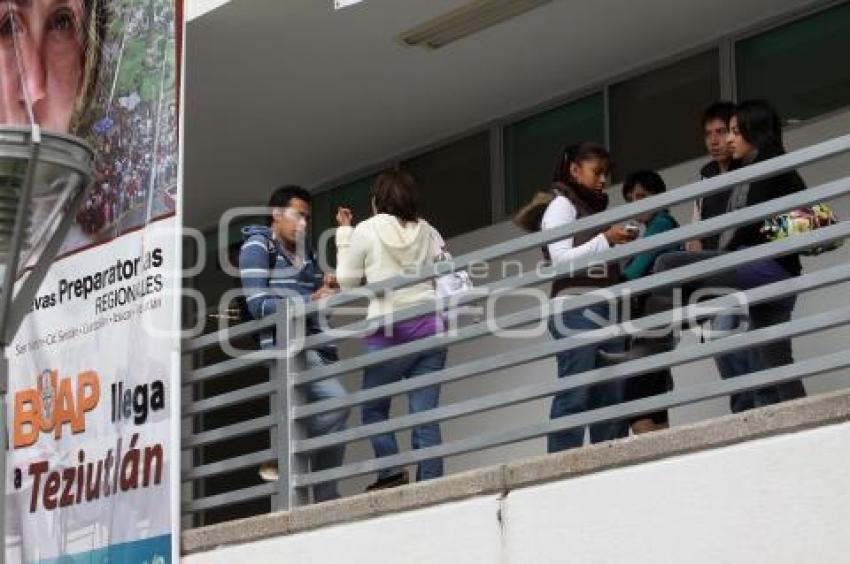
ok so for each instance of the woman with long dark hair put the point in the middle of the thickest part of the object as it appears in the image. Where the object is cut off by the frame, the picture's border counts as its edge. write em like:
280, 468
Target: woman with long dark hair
755, 135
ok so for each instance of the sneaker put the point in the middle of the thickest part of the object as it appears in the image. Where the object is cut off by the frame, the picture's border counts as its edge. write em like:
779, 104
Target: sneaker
393, 481
268, 471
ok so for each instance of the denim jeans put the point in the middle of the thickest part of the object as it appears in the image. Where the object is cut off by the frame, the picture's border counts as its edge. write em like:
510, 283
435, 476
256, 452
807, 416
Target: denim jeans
771, 355
322, 424
738, 363
762, 315
422, 436
580, 360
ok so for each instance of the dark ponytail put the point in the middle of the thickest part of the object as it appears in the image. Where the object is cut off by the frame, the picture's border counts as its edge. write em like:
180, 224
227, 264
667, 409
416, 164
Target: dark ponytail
576, 154
528, 218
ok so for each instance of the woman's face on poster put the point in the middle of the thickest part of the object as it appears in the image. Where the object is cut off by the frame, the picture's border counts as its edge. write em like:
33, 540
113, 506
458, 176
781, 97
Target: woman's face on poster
41, 40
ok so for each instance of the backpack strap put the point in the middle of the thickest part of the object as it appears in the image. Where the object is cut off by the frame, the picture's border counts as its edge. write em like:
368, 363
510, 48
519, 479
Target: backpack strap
271, 248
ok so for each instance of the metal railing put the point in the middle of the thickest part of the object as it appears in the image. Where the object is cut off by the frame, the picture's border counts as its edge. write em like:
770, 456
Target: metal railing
287, 375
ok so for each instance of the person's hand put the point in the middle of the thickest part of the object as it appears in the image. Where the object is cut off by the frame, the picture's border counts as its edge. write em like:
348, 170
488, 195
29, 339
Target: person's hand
344, 217
330, 281
322, 293
618, 235
694, 246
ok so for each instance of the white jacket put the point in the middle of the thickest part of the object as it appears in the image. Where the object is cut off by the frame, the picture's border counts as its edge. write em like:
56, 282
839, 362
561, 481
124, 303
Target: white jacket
380, 248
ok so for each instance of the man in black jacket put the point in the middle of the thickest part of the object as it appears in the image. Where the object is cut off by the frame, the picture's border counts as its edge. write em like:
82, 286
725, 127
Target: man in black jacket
715, 125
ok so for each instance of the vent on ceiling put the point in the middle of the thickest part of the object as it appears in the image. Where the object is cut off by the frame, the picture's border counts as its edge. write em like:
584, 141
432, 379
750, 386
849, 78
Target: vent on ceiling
466, 20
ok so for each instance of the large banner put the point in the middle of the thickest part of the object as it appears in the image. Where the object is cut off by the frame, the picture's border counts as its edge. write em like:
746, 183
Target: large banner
93, 465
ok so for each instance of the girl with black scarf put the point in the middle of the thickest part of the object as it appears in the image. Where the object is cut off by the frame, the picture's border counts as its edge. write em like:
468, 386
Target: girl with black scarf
578, 191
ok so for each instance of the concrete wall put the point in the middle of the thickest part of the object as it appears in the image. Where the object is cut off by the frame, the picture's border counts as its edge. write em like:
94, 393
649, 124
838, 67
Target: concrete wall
783, 499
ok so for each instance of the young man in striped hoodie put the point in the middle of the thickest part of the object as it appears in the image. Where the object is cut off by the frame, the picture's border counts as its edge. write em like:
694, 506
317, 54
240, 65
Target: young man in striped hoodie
277, 264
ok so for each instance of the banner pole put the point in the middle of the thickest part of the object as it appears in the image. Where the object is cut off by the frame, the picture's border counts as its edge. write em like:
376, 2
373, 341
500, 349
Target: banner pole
4, 445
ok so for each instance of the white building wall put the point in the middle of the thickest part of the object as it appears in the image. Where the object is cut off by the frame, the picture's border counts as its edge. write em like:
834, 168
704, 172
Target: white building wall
783, 500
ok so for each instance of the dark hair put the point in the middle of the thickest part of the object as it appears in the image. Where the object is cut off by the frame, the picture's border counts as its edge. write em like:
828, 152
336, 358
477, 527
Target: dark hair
761, 126
395, 193
649, 179
722, 110
578, 153
281, 197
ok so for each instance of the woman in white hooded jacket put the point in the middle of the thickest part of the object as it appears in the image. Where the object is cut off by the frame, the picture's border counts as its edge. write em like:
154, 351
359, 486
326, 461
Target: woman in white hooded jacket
393, 242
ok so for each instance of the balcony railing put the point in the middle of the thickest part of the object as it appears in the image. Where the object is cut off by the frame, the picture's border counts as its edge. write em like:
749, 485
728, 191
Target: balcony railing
287, 376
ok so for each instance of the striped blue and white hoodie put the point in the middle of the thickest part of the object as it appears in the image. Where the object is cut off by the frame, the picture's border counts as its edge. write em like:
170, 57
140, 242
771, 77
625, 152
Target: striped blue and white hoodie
268, 277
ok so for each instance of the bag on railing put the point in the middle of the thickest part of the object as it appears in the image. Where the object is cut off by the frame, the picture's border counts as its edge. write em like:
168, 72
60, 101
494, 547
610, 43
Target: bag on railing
802, 220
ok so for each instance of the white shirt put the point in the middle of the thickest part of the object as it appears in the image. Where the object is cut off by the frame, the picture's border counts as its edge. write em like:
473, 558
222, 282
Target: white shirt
561, 212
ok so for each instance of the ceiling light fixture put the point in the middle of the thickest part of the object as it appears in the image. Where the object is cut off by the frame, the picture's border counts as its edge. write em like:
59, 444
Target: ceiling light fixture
466, 20
340, 4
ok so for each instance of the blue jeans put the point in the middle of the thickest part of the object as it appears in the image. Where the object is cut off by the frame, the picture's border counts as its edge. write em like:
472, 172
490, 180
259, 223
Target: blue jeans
763, 315
322, 424
770, 355
422, 436
734, 364
580, 360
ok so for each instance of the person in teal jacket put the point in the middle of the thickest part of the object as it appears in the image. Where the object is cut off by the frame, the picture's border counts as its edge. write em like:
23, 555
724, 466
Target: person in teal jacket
637, 186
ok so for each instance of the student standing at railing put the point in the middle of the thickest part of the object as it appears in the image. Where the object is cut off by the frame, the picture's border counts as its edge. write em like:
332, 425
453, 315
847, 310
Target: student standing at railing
276, 264
637, 186
395, 241
578, 191
755, 135
715, 126
715, 122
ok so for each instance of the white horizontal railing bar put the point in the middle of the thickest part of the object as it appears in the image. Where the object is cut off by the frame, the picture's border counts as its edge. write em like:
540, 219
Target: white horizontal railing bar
721, 346
229, 366
229, 498
689, 273
675, 398
219, 434
809, 282
214, 338
227, 465
227, 399
664, 240
692, 191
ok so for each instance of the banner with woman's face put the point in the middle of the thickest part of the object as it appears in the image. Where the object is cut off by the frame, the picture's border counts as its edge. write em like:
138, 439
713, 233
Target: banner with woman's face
46, 40
105, 71
93, 371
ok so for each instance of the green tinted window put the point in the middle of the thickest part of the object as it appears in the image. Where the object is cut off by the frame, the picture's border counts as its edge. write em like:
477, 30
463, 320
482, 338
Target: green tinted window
322, 217
531, 145
354, 195
802, 67
655, 117
454, 184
